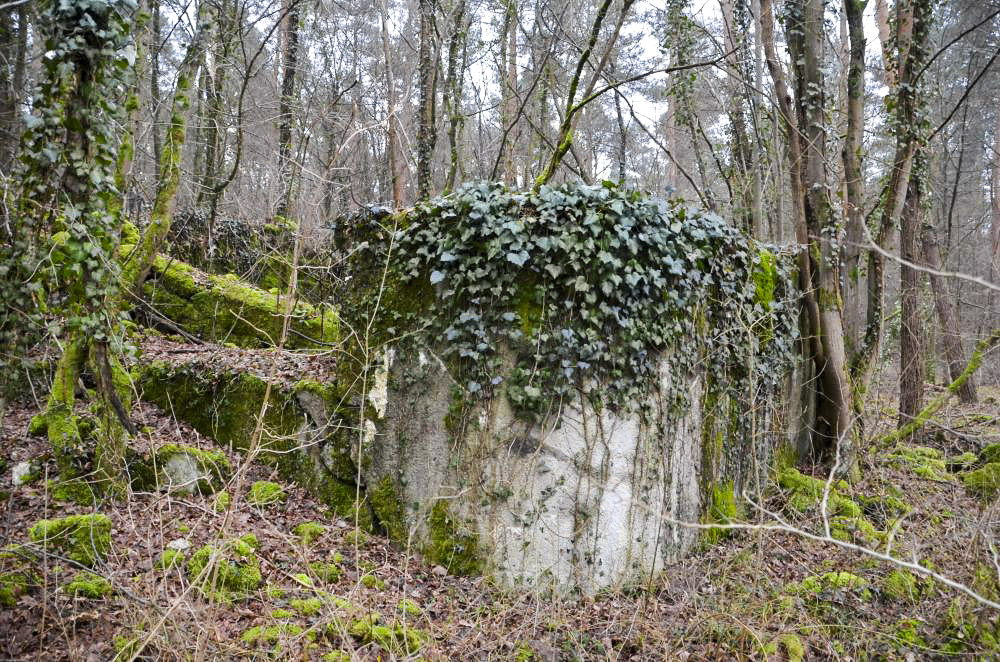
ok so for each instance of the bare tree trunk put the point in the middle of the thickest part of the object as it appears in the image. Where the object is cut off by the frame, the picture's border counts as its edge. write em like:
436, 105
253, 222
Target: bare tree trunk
392, 137
853, 180
426, 127
994, 300
455, 81
913, 20
286, 109
154, 81
13, 51
911, 367
949, 337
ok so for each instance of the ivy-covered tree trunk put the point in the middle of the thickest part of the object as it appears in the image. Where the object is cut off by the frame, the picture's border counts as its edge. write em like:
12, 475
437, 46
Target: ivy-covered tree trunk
69, 223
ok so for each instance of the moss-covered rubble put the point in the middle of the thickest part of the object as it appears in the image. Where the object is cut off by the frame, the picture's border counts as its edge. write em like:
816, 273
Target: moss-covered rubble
85, 539
226, 309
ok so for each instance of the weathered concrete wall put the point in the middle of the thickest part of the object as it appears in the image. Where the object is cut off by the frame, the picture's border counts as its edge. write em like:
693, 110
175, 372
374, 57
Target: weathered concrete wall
583, 500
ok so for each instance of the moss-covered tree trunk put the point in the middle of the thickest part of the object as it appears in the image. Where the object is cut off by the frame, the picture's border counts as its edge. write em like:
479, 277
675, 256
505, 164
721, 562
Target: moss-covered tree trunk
140, 262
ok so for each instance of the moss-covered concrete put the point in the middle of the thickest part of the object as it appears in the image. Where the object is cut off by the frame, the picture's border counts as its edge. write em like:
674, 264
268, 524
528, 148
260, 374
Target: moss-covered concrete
225, 407
226, 309
725, 508
450, 545
85, 539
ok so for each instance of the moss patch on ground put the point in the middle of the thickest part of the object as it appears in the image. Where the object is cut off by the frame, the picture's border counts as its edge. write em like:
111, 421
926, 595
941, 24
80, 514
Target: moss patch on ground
85, 539
90, 586
983, 482
309, 532
13, 585
265, 493
805, 493
927, 463
397, 638
235, 572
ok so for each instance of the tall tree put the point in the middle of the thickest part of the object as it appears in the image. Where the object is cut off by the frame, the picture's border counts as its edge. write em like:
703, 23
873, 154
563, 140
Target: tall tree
426, 126
286, 108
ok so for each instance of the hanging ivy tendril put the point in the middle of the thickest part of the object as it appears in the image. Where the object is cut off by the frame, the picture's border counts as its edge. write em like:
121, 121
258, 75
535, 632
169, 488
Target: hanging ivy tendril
591, 288
64, 227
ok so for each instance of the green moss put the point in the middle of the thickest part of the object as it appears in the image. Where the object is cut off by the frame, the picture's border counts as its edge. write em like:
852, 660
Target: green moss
397, 638
72, 490
990, 454
901, 586
337, 656
85, 539
410, 608
927, 463
13, 585
815, 585
169, 558
326, 571
524, 654
907, 631
449, 546
221, 502
282, 614
371, 581
985, 481
806, 492
38, 426
789, 644
90, 586
236, 570
309, 531
307, 606
265, 493
273, 635
275, 592
388, 509
224, 308
857, 530
356, 537
304, 579
962, 462
725, 508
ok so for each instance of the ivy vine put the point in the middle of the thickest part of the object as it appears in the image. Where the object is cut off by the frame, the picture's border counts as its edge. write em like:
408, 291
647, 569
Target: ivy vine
586, 289
63, 229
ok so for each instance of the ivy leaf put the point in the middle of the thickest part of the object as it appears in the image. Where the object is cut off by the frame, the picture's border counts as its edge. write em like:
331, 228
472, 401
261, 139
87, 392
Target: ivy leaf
518, 258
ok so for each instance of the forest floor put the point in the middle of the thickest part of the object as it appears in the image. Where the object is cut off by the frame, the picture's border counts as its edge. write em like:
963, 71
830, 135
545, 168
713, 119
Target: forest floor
758, 594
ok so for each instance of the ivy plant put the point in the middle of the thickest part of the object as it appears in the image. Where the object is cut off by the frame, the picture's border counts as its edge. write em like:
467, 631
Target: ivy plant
588, 289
